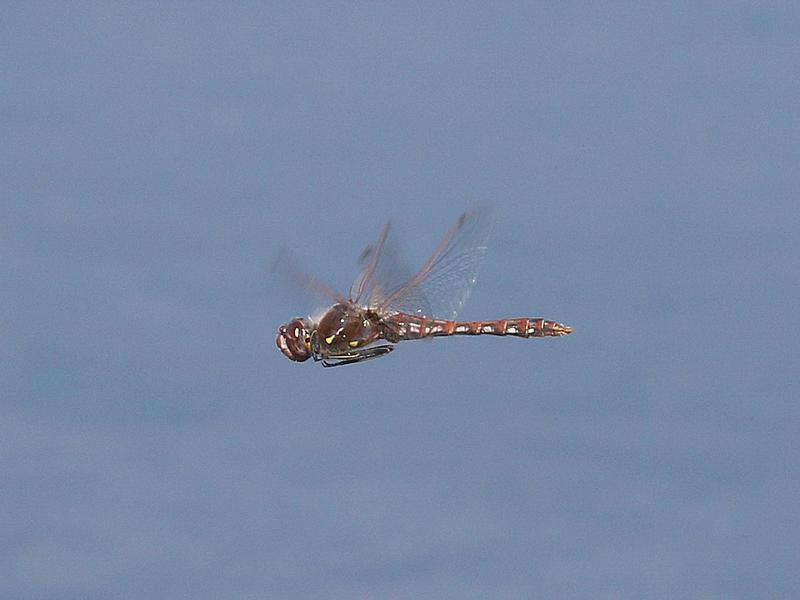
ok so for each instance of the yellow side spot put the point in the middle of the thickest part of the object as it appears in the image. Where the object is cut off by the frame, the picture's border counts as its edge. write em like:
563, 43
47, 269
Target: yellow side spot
329, 339
354, 343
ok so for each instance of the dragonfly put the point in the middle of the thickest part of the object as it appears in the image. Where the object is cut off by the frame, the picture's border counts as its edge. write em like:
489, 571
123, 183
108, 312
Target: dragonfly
387, 305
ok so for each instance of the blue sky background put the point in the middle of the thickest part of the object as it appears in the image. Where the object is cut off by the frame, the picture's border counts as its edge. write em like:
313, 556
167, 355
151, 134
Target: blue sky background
642, 161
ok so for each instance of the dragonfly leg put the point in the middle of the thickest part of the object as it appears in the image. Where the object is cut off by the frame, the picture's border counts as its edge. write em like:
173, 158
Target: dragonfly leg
355, 356
316, 353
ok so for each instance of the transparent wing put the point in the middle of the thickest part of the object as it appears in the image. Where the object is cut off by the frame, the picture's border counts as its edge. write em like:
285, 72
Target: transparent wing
383, 272
443, 284
371, 262
289, 268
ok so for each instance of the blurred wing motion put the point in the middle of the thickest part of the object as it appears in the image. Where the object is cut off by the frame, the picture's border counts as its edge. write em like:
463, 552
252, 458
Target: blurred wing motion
375, 266
442, 285
289, 268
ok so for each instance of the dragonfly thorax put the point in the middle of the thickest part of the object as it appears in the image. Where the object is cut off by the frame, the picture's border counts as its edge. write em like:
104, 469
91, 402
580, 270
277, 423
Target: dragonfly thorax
345, 327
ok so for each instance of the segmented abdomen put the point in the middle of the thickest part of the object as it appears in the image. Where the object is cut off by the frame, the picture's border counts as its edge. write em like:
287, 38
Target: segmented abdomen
409, 327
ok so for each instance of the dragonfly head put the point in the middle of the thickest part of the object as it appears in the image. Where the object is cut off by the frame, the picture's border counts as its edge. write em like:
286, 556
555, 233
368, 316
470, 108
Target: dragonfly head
294, 340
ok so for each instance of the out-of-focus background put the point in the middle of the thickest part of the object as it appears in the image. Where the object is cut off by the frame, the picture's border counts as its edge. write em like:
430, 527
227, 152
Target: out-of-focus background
642, 162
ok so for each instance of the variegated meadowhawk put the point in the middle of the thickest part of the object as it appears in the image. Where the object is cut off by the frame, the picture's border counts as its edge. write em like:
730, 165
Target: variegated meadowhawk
386, 305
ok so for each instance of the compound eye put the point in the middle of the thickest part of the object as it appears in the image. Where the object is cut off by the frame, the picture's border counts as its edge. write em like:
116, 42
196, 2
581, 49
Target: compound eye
292, 340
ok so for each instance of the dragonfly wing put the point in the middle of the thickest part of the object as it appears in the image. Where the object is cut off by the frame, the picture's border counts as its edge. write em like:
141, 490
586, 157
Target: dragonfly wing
289, 268
383, 272
445, 281
369, 261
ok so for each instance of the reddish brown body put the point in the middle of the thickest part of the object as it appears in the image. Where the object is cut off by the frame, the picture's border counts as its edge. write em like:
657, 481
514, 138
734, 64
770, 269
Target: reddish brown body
346, 331
380, 309
408, 327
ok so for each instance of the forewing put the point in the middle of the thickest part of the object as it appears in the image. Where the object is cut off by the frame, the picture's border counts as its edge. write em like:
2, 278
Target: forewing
289, 268
369, 261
